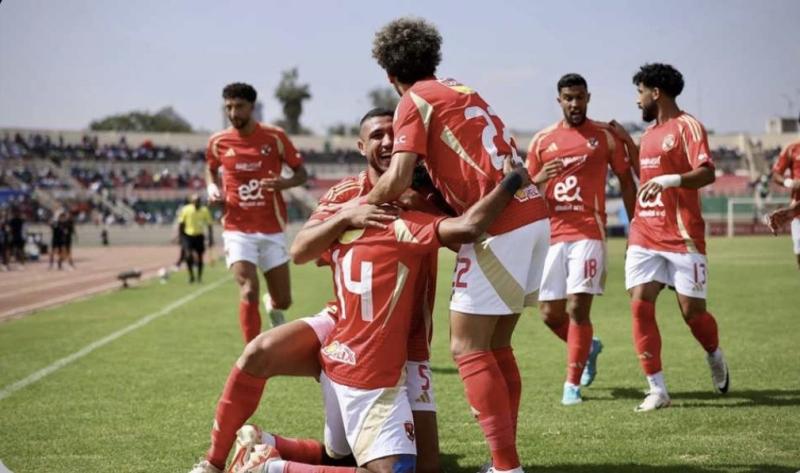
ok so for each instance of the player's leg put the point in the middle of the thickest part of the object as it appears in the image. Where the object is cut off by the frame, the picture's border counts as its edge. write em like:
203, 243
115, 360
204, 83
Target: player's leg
53, 251
507, 363
246, 276
553, 291
289, 350
645, 276
579, 343
274, 261
691, 280
186, 242
199, 248
796, 239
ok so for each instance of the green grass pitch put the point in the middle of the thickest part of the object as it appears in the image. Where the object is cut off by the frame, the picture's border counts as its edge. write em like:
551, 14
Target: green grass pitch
144, 402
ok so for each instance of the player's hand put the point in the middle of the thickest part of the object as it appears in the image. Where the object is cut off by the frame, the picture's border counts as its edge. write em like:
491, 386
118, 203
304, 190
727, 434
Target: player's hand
214, 194
777, 219
650, 190
366, 216
549, 171
274, 183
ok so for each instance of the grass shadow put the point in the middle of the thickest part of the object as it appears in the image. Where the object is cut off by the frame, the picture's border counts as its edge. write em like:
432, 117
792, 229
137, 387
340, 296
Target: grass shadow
745, 398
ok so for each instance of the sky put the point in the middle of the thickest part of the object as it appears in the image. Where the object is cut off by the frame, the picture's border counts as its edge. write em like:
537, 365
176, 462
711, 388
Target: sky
65, 63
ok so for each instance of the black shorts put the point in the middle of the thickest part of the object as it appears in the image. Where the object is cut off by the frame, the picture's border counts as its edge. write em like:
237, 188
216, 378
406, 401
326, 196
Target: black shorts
195, 243
57, 243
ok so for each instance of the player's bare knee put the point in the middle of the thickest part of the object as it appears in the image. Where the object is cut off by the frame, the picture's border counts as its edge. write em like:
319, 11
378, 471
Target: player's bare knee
248, 291
258, 355
282, 302
551, 315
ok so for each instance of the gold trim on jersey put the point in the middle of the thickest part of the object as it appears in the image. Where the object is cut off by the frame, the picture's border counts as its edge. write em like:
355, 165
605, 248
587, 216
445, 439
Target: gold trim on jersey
531, 299
350, 236
400, 282
452, 142
504, 284
402, 232
694, 126
423, 107
690, 247
373, 422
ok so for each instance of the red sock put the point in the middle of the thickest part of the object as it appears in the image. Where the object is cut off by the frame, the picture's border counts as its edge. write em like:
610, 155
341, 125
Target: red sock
561, 330
646, 337
579, 343
238, 402
508, 366
293, 467
482, 381
704, 329
249, 320
299, 450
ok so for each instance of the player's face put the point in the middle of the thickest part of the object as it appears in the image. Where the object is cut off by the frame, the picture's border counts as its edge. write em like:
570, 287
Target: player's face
573, 101
647, 103
375, 142
239, 112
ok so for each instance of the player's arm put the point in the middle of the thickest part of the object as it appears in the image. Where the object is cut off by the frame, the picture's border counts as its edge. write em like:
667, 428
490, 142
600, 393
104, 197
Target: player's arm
212, 176
316, 236
473, 223
694, 179
395, 180
781, 165
277, 183
631, 148
627, 187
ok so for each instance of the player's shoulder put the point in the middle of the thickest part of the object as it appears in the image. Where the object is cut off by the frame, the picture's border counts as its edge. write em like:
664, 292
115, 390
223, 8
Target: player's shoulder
540, 135
216, 137
346, 189
692, 125
270, 128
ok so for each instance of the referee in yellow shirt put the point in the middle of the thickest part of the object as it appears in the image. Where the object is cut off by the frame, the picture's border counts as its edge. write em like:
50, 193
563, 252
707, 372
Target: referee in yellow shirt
193, 219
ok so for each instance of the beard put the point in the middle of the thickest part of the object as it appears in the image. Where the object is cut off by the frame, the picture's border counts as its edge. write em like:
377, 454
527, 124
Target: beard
650, 112
239, 123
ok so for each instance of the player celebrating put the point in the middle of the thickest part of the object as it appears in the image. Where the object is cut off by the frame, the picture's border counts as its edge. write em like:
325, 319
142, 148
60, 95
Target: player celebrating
463, 144
572, 157
789, 163
293, 349
375, 273
666, 245
252, 155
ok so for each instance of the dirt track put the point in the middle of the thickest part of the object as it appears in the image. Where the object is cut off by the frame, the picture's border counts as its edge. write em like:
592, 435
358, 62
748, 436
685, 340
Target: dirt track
23, 291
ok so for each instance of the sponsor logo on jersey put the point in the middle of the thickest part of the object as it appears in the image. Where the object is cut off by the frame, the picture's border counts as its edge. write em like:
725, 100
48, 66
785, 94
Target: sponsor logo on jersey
266, 149
340, 352
668, 143
528, 193
248, 166
577, 160
650, 163
250, 191
567, 190
651, 208
592, 143
230, 153
410, 430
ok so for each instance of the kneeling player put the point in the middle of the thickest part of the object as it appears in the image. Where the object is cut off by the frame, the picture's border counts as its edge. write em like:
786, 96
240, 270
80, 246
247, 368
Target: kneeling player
375, 273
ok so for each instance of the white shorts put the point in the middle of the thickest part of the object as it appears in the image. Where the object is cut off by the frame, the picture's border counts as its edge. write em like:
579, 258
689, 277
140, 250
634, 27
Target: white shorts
499, 275
369, 423
686, 272
419, 386
322, 323
796, 235
265, 250
573, 267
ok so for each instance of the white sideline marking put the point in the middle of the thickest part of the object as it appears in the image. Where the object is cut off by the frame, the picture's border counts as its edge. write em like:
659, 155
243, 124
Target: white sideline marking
58, 364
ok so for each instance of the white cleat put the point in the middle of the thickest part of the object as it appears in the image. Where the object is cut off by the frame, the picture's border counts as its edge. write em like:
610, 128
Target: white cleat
259, 459
275, 316
654, 400
719, 371
205, 467
246, 439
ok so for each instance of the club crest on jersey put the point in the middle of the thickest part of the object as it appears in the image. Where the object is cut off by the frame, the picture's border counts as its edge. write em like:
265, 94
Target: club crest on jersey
668, 143
340, 352
266, 149
410, 430
592, 143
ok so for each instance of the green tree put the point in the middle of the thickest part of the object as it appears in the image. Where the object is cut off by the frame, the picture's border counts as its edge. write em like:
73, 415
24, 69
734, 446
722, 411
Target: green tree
165, 120
383, 97
291, 95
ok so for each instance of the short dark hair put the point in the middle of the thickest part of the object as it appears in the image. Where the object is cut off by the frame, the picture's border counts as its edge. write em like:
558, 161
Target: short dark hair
571, 80
376, 112
408, 49
668, 79
240, 90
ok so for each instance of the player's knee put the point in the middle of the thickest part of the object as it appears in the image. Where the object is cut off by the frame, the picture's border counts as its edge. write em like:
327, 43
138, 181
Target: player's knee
282, 302
248, 291
258, 355
551, 316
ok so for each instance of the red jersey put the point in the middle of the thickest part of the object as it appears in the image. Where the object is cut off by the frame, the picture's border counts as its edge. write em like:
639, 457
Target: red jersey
673, 221
377, 274
419, 339
789, 159
463, 144
576, 198
245, 161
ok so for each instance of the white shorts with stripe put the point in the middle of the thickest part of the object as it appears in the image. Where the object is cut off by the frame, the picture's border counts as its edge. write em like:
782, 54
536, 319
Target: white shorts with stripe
686, 272
501, 274
573, 267
265, 250
369, 423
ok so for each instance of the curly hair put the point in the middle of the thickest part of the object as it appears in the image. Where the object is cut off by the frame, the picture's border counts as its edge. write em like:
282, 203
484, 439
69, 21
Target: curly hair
668, 79
408, 49
240, 90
